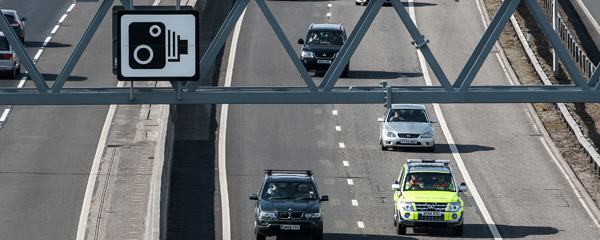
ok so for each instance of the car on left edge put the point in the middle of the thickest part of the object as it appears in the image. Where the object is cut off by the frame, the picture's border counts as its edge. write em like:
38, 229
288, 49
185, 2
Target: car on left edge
17, 22
288, 204
9, 61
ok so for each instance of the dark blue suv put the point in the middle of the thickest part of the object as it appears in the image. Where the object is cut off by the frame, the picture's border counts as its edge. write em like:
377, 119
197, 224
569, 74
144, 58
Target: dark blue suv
288, 204
323, 42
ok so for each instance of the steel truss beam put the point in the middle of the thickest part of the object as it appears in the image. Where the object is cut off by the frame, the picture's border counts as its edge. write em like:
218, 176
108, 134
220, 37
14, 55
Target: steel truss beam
460, 91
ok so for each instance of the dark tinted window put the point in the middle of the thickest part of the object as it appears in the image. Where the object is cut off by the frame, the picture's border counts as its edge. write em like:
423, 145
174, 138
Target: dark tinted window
10, 18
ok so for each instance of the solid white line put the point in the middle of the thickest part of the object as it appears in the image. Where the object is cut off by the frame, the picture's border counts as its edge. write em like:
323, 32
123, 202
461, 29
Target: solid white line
346, 163
587, 13
4, 115
223, 134
85, 209
461, 165
354, 203
562, 170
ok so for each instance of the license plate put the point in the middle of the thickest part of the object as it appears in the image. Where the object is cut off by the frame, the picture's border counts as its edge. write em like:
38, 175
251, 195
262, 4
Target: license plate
324, 61
290, 227
408, 141
432, 214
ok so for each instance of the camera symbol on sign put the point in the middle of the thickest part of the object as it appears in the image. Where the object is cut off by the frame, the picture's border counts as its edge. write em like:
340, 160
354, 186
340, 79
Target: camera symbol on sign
152, 45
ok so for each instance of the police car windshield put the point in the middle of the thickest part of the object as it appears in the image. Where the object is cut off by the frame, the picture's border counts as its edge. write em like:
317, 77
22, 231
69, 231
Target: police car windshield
429, 181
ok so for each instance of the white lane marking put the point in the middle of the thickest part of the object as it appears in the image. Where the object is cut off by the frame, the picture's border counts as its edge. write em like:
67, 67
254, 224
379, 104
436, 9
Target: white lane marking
354, 203
461, 165
350, 182
361, 224
330, 5
338, 128
587, 13
562, 170
334, 112
71, 8
54, 29
4, 115
342, 145
62, 19
223, 134
346, 163
329, 14
46, 41
38, 54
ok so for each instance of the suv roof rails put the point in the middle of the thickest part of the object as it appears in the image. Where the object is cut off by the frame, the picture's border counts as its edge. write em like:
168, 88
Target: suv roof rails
269, 172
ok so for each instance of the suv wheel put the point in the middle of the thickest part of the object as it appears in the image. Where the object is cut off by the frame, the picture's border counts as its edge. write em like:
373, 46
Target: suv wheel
458, 231
401, 229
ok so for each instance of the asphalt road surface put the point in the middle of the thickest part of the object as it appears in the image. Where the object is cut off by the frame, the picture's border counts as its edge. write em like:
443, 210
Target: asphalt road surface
517, 189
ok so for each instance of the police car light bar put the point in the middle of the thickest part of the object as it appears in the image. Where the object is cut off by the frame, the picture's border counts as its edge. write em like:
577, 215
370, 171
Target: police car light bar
427, 161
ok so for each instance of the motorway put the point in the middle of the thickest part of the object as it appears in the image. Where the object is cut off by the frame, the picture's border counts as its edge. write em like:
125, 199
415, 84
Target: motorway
46, 152
517, 190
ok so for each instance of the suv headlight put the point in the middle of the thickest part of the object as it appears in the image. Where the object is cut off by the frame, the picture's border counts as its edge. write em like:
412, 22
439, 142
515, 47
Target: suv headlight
264, 215
313, 215
427, 135
454, 207
307, 54
407, 206
390, 134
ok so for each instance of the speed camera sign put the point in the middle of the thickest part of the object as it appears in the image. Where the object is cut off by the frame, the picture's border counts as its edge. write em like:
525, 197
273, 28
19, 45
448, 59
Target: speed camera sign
157, 45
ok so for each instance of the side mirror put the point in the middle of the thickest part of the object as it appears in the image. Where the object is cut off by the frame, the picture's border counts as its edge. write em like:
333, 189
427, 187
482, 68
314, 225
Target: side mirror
433, 120
380, 119
396, 186
23, 19
462, 187
253, 196
300, 41
324, 198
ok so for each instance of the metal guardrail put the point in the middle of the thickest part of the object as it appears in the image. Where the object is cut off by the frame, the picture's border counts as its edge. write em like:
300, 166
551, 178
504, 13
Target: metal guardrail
576, 129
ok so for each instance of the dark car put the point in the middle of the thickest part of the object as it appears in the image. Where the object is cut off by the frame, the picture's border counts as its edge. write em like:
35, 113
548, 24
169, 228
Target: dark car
16, 22
288, 204
323, 42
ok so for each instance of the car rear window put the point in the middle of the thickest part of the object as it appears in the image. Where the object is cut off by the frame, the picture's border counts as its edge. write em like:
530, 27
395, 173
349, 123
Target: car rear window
10, 18
4, 46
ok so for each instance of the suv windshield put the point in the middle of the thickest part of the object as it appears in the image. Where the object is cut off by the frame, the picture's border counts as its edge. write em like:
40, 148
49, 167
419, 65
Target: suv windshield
407, 115
289, 190
429, 181
325, 38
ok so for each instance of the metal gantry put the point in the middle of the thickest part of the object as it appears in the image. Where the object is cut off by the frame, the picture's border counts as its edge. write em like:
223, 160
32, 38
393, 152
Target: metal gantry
460, 91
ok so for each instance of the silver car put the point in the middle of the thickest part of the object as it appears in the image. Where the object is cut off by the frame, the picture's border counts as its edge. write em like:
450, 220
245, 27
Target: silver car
9, 61
407, 125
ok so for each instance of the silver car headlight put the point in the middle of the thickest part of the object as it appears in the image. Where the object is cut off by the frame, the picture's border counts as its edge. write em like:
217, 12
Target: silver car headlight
313, 215
407, 206
390, 134
427, 135
454, 207
307, 54
264, 215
